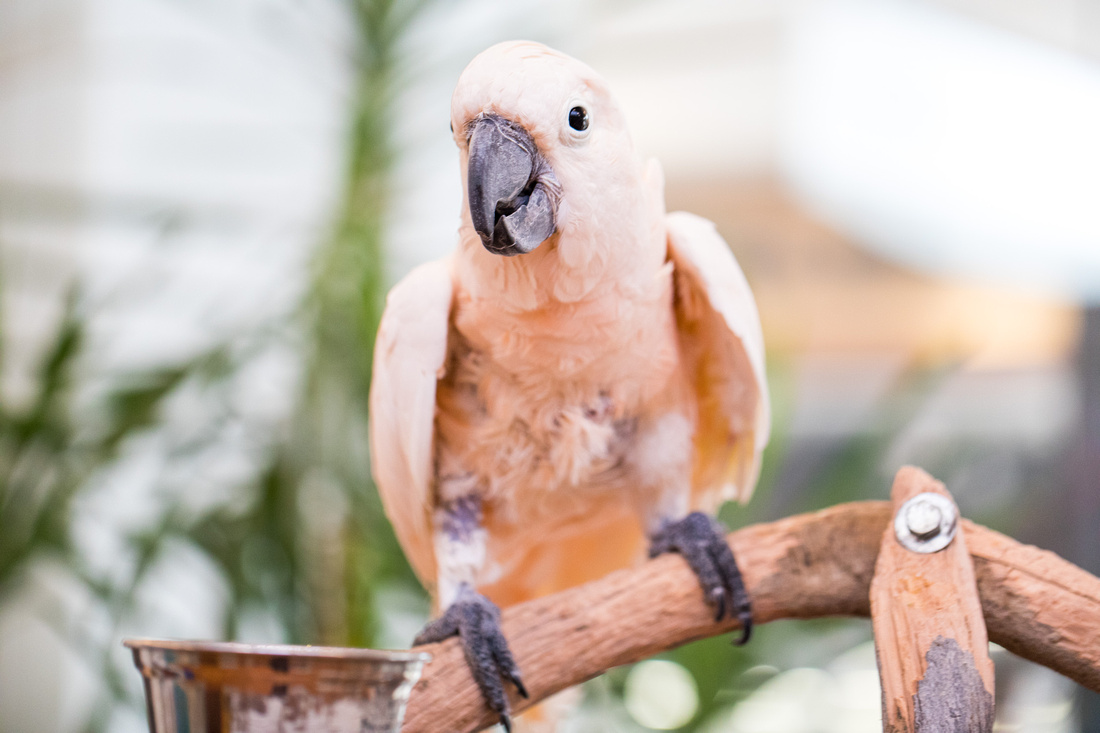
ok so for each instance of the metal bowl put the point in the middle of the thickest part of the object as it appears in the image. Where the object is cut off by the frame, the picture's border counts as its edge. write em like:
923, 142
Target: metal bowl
227, 687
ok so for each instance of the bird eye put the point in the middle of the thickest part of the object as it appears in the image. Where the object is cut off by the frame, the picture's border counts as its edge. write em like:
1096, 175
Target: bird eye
452, 128
578, 119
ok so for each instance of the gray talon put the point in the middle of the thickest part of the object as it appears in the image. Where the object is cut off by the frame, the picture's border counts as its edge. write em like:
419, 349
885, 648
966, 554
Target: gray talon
476, 619
701, 540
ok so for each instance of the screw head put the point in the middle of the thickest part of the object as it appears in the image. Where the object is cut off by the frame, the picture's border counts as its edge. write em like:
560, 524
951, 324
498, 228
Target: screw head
923, 519
926, 523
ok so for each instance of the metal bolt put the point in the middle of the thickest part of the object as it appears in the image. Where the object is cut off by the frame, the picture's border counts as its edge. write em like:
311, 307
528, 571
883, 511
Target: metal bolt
923, 519
926, 523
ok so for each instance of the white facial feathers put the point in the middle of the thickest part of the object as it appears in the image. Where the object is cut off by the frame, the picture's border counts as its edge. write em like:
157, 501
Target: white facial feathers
608, 219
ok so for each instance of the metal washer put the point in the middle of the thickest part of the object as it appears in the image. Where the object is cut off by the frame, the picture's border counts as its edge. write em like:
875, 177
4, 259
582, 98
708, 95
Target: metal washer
935, 539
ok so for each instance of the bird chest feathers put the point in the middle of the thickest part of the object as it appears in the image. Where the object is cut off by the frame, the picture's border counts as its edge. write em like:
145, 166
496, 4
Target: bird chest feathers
532, 401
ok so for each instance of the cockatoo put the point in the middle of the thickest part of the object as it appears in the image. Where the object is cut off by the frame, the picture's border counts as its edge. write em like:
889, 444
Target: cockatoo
582, 377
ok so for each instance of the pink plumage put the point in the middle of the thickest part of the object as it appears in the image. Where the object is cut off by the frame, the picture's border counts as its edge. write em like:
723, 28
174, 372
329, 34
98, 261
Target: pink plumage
583, 390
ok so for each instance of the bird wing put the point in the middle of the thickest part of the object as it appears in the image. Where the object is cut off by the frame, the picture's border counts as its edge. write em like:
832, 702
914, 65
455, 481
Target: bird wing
723, 346
409, 358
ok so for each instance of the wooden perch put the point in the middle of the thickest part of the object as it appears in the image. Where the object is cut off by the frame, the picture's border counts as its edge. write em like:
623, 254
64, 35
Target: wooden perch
1035, 604
930, 637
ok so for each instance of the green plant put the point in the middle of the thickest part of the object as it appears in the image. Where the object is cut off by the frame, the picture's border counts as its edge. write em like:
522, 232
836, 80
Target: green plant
303, 536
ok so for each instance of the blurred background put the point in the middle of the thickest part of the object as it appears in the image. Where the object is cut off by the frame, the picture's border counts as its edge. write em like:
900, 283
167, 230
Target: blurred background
203, 202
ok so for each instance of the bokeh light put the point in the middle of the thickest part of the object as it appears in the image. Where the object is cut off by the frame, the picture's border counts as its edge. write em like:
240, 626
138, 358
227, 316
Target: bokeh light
661, 694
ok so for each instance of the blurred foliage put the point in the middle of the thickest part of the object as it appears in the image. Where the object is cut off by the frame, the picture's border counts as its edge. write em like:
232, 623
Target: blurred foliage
327, 446
309, 543
47, 457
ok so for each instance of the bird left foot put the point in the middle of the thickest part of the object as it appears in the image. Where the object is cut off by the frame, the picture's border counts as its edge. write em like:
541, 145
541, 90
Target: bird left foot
702, 542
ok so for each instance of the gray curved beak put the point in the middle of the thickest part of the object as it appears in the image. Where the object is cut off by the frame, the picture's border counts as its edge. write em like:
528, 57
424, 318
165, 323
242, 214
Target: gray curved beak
512, 191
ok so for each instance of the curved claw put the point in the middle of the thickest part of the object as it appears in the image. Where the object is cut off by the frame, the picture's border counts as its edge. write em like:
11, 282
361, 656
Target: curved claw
701, 540
745, 617
476, 619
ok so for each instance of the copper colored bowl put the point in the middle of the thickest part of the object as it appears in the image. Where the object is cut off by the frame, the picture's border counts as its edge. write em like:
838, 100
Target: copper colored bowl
226, 687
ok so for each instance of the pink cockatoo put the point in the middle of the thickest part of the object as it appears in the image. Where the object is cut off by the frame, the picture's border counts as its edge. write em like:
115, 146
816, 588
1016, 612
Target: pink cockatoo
581, 378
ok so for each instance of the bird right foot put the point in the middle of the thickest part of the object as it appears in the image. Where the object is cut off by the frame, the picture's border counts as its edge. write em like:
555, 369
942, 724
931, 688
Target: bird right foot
476, 619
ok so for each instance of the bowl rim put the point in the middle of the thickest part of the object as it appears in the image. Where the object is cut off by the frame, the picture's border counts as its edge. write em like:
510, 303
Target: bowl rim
276, 650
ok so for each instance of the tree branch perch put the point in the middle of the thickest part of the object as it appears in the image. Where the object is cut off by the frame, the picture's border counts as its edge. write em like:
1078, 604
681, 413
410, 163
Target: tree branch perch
1035, 604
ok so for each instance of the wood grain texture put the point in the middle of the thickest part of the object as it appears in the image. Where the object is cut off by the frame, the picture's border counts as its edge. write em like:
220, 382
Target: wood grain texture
929, 630
820, 564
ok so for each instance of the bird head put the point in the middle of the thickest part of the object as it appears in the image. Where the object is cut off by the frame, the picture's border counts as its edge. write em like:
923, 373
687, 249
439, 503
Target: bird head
545, 155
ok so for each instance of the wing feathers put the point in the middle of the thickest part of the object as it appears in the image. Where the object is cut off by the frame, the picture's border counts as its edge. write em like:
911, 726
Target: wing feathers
409, 356
722, 340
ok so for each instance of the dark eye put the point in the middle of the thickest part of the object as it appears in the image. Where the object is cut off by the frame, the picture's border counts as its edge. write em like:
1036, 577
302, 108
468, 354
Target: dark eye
452, 128
578, 119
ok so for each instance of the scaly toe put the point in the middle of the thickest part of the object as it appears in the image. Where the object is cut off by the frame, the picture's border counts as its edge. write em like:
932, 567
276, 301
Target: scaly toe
476, 620
701, 541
